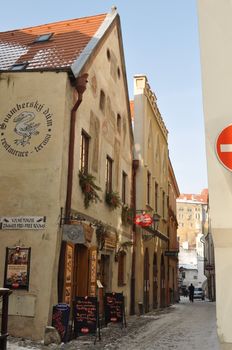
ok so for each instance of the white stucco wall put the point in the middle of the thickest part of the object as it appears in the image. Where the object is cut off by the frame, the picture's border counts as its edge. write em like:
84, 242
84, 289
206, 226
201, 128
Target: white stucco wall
215, 27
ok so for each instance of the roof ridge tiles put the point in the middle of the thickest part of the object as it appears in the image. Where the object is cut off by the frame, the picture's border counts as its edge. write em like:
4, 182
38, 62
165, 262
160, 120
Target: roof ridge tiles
53, 23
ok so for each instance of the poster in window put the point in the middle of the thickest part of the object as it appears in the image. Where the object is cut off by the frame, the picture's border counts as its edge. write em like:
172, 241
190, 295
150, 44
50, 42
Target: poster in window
17, 268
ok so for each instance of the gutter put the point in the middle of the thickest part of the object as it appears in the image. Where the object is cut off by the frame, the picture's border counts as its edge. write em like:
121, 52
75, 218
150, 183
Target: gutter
135, 166
80, 86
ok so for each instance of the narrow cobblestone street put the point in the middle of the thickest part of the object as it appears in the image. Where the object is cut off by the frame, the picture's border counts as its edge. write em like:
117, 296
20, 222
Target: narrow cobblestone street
184, 326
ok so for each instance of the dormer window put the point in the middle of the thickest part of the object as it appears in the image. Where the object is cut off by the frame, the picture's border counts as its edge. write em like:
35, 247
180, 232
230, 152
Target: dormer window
43, 37
19, 66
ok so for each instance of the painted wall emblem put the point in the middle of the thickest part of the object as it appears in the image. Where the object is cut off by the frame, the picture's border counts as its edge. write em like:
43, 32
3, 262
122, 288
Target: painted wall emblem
26, 129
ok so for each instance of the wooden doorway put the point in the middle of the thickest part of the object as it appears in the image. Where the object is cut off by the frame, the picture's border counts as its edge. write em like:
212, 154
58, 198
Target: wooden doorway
162, 282
73, 272
81, 271
155, 282
146, 282
104, 277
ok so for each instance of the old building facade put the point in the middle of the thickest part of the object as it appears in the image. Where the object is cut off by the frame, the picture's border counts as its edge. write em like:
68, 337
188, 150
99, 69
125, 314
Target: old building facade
192, 216
77, 172
173, 245
151, 153
66, 155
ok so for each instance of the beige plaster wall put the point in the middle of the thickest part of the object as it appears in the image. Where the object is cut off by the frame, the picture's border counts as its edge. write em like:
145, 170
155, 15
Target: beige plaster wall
31, 186
114, 88
215, 26
101, 125
151, 150
151, 147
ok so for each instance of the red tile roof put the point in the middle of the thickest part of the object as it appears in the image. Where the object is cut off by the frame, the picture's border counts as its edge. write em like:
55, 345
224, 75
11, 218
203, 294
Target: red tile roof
67, 42
202, 197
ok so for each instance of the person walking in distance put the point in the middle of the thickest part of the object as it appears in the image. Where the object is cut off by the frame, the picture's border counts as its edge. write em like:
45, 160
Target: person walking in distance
191, 292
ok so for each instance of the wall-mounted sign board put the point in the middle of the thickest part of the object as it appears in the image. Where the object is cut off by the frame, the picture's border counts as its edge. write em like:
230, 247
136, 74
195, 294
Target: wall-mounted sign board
171, 253
17, 268
23, 223
74, 234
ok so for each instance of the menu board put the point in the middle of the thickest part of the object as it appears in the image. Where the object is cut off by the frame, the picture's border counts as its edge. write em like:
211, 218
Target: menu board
85, 315
17, 268
114, 307
60, 320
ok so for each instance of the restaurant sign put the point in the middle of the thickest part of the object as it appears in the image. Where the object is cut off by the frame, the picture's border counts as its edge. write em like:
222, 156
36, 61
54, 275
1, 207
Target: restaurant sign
173, 253
74, 234
143, 220
26, 128
23, 223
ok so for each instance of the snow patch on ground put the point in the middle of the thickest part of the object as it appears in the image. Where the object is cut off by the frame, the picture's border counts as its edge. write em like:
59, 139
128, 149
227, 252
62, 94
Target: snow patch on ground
184, 326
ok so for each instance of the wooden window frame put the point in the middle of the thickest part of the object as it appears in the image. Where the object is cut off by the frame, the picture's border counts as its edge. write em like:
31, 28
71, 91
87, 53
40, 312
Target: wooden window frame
148, 187
163, 204
156, 196
124, 187
84, 159
109, 174
121, 268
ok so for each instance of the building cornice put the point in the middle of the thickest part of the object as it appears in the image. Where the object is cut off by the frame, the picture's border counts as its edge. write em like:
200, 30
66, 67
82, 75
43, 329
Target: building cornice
144, 87
152, 101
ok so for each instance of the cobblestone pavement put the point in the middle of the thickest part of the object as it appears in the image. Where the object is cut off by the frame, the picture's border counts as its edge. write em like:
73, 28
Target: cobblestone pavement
184, 326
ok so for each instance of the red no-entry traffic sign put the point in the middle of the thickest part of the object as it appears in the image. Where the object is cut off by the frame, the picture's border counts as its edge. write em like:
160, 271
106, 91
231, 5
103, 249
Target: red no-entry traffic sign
224, 147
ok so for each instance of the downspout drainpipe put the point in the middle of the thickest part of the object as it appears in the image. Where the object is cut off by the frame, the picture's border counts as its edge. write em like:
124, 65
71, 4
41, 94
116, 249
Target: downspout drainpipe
80, 86
133, 267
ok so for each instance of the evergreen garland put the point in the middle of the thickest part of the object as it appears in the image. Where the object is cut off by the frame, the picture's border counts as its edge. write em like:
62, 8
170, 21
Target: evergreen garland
89, 188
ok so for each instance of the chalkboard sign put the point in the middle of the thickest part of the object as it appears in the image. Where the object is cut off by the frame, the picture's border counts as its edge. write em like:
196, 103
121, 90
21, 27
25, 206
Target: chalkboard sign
60, 320
114, 308
85, 314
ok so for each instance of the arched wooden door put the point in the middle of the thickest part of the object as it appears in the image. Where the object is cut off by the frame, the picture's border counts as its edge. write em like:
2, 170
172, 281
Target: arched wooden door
162, 282
155, 282
146, 281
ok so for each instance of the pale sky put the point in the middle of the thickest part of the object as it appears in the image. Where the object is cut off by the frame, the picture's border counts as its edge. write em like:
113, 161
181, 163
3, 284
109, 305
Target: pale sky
160, 39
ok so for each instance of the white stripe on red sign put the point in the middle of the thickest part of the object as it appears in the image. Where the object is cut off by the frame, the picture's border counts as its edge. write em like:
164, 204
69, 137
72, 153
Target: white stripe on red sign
226, 148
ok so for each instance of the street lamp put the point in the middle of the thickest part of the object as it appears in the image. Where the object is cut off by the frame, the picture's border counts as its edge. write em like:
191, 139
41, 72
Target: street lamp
156, 219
